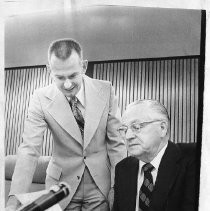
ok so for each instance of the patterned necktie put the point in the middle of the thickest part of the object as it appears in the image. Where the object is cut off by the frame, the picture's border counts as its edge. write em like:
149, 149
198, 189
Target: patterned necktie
145, 194
77, 114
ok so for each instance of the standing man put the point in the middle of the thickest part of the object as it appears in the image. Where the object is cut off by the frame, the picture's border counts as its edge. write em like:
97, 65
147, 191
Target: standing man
159, 175
83, 117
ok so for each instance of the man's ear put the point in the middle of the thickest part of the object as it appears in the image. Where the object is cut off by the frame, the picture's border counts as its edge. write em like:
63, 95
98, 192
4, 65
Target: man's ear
84, 65
48, 68
163, 128
49, 71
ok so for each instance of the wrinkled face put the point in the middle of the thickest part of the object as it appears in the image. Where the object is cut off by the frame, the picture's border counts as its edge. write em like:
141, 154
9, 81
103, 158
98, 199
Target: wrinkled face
148, 135
68, 74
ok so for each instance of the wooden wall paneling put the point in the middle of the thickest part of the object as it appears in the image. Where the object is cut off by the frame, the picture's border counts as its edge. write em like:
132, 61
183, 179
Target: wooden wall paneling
107, 69
7, 108
22, 104
155, 79
130, 85
173, 81
180, 100
127, 84
142, 90
164, 80
12, 117
188, 100
192, 125
172, 100
136, 79
157, 97
150, 79
18, 102
161, 83
6, 112
196, 94
11, 96
168, 87
165, 74
175, 101
145, 80
121, 78
19, 86
184, 100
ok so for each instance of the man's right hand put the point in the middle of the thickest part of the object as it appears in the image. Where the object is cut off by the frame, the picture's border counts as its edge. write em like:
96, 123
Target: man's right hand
13, 204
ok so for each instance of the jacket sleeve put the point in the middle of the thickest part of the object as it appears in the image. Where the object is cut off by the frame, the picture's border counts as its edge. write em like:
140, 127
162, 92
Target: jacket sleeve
116, 197
116, 146
190, 195
30, 148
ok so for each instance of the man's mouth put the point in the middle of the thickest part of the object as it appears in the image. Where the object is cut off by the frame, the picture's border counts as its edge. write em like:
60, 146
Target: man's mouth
70, 89
133, 145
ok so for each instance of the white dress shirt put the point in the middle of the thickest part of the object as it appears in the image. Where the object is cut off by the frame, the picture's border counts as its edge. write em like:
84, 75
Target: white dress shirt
155, 162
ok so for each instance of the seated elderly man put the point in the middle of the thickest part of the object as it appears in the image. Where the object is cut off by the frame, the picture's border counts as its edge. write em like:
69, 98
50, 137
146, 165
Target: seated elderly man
158, 175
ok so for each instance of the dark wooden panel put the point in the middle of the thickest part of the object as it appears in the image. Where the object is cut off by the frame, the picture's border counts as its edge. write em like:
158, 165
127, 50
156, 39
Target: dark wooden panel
172, 81
19, 86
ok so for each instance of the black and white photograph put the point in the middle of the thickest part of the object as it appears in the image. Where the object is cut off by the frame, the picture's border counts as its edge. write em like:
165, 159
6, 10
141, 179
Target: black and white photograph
105, 106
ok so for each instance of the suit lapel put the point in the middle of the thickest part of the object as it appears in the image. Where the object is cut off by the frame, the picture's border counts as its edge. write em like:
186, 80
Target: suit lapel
95, 97
167, 173
60, 110
130, 183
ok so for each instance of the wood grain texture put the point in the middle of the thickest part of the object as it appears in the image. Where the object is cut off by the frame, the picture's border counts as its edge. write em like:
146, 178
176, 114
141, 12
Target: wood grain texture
173, 81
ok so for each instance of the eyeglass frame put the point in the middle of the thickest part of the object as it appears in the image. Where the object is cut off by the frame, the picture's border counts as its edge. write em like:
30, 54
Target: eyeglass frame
139, 130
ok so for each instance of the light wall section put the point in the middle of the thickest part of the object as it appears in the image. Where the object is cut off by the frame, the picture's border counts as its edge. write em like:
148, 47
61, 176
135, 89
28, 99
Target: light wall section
105, 33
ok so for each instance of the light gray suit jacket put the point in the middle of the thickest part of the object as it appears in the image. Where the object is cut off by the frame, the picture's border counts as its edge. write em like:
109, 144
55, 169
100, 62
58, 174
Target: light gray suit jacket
101, 151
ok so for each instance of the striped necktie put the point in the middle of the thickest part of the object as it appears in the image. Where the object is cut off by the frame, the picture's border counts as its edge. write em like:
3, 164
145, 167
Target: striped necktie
77, 114
145, 194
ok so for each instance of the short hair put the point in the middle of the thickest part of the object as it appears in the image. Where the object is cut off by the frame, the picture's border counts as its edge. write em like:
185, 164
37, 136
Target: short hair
62, 48
155, 105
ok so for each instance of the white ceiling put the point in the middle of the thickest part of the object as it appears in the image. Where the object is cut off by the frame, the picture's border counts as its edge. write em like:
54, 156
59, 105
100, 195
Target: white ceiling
16, 7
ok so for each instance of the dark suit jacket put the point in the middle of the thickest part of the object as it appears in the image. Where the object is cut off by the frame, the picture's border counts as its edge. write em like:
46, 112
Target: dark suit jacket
176, 184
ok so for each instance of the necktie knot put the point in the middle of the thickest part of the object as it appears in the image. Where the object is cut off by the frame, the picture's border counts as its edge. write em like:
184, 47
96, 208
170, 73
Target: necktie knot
147, 167
73, 101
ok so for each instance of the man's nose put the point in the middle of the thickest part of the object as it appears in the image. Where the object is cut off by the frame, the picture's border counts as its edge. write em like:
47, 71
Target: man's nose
129, 134
67, 83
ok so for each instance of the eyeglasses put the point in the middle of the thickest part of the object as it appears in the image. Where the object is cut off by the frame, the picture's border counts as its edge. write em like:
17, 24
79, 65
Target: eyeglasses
135, 127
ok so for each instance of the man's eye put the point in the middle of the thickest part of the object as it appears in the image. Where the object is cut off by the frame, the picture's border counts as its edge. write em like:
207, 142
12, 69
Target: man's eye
122, 129
73, 76
60, 78
136, 126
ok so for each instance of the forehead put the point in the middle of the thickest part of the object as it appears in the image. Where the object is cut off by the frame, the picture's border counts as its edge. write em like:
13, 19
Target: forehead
139, 113
58, 64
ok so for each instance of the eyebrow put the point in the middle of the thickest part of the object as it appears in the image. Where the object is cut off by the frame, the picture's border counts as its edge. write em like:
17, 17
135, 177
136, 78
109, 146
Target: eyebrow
133, 121
73, 74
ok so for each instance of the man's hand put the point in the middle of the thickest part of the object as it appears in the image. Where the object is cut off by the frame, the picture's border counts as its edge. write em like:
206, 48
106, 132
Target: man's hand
13, 204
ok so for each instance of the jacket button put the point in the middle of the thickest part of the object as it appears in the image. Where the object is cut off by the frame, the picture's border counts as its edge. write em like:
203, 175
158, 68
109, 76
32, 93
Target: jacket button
78, 177
84, 157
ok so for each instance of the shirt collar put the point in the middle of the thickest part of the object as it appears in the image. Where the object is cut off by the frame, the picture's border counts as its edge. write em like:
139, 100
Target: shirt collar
81, 94
156, 161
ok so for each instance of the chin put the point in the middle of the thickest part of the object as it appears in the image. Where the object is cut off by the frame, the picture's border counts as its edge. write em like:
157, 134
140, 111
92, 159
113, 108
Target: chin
69, 93
135, 152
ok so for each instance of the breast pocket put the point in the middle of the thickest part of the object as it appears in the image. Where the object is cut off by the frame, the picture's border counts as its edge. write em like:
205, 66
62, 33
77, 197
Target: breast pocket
54, 171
